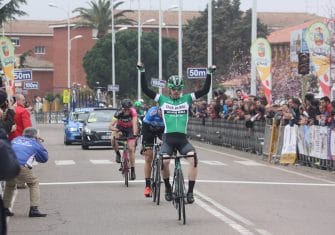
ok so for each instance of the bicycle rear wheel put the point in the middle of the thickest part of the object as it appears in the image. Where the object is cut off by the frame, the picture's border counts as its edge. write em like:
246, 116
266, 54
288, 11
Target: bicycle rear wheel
153, 180
158, 181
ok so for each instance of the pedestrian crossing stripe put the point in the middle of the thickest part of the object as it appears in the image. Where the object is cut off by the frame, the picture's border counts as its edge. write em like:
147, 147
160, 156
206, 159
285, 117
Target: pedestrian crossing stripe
249, 163
213, 163
103, 161
64, 162
141, 161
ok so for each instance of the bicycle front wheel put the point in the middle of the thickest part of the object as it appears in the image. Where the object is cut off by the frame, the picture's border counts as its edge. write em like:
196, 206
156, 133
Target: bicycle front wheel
181, 197
125, 169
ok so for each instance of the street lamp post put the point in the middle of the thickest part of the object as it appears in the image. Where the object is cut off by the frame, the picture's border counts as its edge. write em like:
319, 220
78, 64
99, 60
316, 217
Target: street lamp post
68, 45
209, 48
113, 52
69, 69
180, 50
139, 35
160, 60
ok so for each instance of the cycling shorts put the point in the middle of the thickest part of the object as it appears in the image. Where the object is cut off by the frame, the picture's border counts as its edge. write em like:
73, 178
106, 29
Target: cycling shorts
149, 132
178, 141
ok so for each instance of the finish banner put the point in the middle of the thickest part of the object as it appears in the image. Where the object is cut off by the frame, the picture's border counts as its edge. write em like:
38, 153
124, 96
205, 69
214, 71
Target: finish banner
261, 53
7, 59
318, 39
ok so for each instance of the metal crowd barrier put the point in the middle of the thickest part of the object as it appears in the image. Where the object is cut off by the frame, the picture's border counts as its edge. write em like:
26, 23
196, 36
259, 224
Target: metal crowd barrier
50, 117
233, 134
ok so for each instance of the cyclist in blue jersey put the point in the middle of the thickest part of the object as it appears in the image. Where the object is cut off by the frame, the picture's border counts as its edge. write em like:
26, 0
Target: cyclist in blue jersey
152, 126
175, 112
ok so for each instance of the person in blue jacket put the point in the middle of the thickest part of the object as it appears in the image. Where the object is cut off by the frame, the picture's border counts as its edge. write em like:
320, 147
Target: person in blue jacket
153, 126
28, 148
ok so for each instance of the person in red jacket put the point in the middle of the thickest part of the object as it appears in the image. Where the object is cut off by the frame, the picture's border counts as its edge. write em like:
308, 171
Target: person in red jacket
21, 118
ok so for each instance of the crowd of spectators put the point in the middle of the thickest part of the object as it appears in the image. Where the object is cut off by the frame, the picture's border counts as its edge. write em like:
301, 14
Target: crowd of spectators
309, 111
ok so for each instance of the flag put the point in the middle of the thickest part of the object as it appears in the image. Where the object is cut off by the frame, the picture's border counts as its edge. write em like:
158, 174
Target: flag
318, 39
261, 53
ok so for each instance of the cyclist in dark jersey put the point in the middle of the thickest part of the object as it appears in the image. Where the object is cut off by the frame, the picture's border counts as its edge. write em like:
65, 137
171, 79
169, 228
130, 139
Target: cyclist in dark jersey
124, 124
153, 126
175, 109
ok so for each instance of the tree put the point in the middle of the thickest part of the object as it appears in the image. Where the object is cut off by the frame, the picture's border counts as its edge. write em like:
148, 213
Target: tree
99, 16
231, 38
98, 61
10, 10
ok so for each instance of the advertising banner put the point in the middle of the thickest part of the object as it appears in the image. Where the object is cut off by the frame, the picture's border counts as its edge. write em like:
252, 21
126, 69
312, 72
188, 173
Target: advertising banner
289, 150
332, 145
7, 59
318, 41
261, 53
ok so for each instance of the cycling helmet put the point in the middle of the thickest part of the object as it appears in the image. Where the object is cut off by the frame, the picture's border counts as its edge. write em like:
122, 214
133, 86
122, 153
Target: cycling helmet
126, 103
175, 82
138, 103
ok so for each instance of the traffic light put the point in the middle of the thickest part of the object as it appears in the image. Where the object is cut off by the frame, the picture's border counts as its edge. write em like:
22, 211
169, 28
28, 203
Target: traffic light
303, 63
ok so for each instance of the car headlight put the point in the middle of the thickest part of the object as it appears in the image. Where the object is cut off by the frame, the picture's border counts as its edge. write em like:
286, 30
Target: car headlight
72, 129
87, 130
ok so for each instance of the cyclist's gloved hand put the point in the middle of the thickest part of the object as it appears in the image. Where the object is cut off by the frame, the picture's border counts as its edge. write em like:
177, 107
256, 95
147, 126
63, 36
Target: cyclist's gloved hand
140, 67
211, 69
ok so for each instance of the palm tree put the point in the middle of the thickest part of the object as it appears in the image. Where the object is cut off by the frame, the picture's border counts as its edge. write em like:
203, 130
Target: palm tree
9, 10
99, 16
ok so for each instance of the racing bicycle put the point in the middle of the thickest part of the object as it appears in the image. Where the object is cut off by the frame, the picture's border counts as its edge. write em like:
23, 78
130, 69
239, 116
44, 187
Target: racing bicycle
178, 185
156, 172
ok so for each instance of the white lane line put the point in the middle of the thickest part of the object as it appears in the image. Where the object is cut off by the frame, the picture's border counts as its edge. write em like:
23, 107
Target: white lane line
89, 182
64, 162
263, 232
273, 167
237, 227
224, 209
213, 163
249, 163
265, 183
102, 161
140, 161
198, 181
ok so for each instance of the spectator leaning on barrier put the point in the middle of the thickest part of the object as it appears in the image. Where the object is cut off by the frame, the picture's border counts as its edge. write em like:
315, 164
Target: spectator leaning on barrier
311, 108
6, 114
28, 149
21, 118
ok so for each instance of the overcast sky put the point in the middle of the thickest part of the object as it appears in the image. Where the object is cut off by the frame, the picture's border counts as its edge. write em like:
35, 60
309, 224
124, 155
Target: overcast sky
39, 9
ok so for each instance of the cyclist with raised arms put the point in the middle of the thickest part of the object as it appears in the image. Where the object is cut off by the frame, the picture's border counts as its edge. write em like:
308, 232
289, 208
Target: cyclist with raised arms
175, 110
153, 126
124, 123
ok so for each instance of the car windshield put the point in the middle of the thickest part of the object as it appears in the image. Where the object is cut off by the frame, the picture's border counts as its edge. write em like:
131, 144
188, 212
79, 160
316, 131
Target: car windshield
77, 117
101, 115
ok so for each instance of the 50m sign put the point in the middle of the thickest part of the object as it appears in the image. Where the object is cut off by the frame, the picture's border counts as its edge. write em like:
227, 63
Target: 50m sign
195, 73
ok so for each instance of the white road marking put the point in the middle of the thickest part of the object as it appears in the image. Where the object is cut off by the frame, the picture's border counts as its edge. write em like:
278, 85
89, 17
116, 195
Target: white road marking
266, 183
139, 161
199, 181
250, 163
224, 209
102, 161
263, 232
237, 227
270, 166
64, 162
213, 163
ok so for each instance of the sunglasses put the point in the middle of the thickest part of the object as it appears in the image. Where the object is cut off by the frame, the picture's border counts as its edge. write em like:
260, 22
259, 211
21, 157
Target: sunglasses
176, 88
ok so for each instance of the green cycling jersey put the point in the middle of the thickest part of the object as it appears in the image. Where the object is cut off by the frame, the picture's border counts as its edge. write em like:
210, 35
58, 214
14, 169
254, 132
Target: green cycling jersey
175, 112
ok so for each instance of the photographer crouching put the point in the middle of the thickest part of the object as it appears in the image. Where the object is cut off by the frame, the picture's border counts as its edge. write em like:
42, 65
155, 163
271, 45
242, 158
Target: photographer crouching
28, 148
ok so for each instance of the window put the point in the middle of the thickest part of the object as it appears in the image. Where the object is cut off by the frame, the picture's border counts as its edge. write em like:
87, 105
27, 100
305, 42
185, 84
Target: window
16, 42
39, 50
